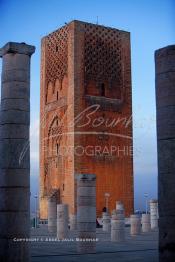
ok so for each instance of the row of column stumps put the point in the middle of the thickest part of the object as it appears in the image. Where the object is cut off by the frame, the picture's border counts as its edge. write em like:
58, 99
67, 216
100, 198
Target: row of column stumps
14, 152
165, 105
116, 223
84, 222
86, 217
57, 216
146, 222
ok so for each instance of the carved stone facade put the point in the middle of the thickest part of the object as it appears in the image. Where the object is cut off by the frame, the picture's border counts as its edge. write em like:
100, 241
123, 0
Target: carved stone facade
86, 114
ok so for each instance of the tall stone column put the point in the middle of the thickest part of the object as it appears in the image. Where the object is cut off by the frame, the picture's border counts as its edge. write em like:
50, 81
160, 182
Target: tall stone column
86, 213
165, 102
15, 152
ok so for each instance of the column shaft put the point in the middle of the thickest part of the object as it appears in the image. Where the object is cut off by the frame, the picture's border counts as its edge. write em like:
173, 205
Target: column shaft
52, 213
15, 152
146, 226
154, 214
86, 212
62, 221
165, 103
135, 225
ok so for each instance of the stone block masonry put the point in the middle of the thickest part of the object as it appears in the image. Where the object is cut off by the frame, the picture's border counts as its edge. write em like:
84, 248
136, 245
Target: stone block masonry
135, 225
154, 213
165, 103
15, 152
52, 212
62, 221
86, 213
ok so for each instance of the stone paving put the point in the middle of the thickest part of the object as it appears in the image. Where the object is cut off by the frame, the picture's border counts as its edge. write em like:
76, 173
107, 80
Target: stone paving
143, 247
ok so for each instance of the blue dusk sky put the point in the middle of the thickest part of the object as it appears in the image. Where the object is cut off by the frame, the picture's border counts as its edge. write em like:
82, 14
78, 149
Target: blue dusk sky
152, 26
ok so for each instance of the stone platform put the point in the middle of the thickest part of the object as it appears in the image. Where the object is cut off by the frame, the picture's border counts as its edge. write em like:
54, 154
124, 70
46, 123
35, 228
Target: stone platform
138, 248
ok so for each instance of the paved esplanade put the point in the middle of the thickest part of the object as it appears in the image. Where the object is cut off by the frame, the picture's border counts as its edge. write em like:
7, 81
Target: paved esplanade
140, 248
165, 96
14, 151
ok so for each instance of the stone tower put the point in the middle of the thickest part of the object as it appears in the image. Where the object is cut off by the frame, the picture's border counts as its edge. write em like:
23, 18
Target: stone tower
86, 114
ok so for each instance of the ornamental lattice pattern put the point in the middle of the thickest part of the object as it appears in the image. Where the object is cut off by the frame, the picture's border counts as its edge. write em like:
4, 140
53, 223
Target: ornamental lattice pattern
103, 55
57, 55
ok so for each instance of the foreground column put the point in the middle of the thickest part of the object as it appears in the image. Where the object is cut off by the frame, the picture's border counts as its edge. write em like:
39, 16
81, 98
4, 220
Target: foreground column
154, 214
52, 213
135, 225
165, 96
15, 152
62, 221
86, 213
